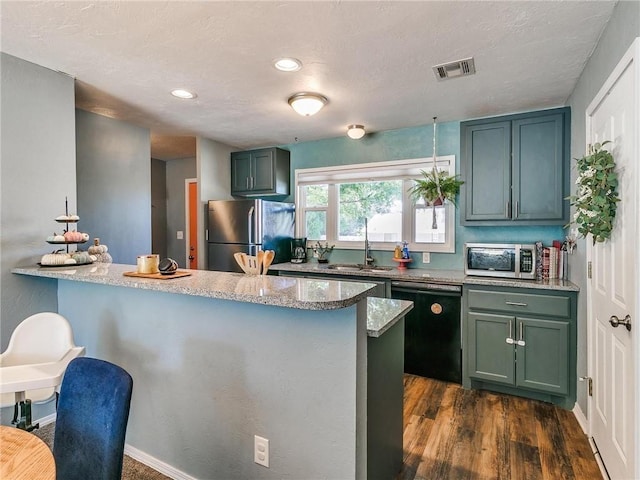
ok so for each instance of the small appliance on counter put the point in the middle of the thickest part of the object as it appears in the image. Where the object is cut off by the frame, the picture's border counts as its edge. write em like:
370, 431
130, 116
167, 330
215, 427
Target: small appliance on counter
507, 260
298, 250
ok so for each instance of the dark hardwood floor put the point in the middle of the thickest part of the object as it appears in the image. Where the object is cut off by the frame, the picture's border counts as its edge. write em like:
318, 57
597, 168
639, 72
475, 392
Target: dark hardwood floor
452, 433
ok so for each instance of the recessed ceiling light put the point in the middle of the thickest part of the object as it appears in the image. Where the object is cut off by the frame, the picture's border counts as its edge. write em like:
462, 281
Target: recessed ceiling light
180, 93
287, 64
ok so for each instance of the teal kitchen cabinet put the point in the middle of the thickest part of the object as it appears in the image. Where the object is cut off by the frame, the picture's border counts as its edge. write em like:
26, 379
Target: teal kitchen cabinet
490, 356
521, 342
260, 172
516, 169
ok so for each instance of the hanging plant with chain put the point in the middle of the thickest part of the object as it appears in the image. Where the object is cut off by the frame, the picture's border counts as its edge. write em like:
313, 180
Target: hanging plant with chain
436, 186
597, 195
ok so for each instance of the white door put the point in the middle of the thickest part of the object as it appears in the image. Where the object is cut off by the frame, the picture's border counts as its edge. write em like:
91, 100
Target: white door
613, 288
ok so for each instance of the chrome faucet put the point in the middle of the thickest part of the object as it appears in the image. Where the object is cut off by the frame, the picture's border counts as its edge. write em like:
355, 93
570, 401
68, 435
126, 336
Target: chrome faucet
368, 259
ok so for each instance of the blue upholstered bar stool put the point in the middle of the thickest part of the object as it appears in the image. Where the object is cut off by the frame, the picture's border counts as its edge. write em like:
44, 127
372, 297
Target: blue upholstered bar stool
91, 424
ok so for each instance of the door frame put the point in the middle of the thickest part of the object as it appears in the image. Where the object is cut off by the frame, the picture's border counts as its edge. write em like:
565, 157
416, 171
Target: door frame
187, 220
632, 55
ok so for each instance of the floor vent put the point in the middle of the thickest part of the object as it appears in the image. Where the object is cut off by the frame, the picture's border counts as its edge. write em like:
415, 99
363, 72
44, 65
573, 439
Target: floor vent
459, 68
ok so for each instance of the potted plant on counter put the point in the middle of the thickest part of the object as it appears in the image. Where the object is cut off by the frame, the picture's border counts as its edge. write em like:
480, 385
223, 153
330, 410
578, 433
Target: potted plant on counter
321, 252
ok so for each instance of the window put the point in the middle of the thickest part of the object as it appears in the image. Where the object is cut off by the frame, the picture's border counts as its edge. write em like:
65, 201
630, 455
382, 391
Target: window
332, 204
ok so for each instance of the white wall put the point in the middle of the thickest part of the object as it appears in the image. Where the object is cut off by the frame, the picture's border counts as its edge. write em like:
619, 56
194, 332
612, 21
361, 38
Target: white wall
620, 32
213, 164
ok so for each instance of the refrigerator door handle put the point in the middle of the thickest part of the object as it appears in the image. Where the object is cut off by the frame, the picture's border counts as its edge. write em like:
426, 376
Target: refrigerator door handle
250, 224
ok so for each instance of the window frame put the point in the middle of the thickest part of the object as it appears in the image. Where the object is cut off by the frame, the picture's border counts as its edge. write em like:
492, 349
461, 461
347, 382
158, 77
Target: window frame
405, 170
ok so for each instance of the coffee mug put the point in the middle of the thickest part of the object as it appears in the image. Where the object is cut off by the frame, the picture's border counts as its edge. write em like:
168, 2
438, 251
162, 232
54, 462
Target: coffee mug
148, 263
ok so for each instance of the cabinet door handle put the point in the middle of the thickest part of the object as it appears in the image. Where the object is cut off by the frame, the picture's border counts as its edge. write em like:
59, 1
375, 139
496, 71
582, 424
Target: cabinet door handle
516, 304
507, 210
516, 215
509, 339
247, 183
250, 225
520, 341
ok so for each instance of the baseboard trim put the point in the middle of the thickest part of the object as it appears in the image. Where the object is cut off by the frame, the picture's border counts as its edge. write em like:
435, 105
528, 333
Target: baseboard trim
136, 454
601, 465
581, 418
45, 420
156, 464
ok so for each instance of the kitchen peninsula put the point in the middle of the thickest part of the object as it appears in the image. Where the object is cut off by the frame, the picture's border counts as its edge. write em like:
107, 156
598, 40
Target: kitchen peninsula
217, 358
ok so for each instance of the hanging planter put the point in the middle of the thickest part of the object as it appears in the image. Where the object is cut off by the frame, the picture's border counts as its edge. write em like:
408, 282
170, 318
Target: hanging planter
597, 195
436, 187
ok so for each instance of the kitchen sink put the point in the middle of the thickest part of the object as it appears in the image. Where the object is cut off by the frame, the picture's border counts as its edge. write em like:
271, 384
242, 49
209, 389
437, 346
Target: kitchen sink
357, 267
348, 267
377, 269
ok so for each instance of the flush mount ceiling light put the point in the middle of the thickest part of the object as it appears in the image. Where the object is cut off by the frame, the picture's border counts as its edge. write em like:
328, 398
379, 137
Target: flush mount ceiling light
181, 93
355, 132
287, 64
307, 104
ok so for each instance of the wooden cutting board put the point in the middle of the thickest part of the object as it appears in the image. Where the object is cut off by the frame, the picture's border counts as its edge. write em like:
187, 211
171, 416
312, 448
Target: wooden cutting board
158, 276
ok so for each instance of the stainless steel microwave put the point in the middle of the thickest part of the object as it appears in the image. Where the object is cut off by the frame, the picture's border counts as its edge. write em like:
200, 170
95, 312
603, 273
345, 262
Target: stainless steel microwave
510, 260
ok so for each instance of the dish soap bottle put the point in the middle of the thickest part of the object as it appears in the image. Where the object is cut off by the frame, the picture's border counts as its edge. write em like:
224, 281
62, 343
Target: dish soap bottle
405, 250
397, 253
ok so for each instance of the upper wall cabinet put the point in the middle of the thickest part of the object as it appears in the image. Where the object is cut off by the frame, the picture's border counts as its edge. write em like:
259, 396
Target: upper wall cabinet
257, 173
516, 169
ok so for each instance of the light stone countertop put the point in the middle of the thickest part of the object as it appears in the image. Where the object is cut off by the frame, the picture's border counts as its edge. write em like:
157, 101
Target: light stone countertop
384, 313
450, 277
306, 294
301, 293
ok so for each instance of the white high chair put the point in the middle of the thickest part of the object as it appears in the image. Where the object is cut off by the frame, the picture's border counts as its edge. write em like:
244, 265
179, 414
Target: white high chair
32, 366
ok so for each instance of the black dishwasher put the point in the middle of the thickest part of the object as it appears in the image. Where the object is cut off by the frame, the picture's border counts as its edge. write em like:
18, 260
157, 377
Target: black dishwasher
432, 339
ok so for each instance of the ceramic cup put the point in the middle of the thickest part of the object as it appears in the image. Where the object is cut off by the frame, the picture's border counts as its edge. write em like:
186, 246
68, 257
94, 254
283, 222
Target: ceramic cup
148, 263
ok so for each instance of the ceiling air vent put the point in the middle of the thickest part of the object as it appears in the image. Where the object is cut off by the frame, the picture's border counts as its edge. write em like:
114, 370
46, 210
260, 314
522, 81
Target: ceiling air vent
459, 68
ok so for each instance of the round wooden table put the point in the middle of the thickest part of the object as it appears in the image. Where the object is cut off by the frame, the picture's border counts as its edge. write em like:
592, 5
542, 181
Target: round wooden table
23, 456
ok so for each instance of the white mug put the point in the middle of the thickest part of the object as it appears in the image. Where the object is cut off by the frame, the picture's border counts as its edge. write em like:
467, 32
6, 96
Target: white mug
148, 263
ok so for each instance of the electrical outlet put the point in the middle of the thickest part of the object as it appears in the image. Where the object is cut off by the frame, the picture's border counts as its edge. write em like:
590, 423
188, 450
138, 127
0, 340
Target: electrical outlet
426, 257
180, 235
261, 451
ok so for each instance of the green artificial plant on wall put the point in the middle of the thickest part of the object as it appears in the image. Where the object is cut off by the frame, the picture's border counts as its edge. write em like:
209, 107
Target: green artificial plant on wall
597, 197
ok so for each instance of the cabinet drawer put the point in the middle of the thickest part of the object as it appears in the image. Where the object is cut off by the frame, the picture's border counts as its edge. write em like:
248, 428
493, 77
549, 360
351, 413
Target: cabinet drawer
518, 303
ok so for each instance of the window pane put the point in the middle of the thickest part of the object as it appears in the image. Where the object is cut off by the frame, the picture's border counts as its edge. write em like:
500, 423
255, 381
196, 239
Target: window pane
316, 225
316, 195
425, 233
379, 202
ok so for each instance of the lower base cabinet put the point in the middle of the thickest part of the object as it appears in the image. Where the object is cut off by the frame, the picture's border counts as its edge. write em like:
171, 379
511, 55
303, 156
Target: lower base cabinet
521, 342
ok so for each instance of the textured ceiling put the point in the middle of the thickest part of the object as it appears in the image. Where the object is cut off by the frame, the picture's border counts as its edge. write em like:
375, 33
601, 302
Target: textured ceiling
373, 60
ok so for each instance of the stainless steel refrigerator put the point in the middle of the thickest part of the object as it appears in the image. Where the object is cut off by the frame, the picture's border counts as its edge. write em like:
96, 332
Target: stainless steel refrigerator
247, 226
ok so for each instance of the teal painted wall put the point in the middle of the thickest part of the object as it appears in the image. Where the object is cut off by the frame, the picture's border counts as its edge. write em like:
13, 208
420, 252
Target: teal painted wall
407, 143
